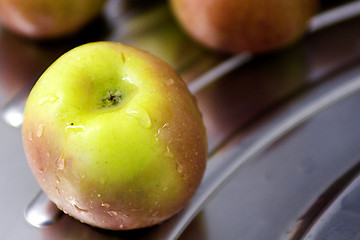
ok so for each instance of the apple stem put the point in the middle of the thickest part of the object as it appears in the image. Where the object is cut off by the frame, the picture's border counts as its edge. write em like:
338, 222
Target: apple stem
112, 98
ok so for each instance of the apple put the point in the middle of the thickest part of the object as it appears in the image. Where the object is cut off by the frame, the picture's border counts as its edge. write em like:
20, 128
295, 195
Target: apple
244, 25
114, 137
45, 19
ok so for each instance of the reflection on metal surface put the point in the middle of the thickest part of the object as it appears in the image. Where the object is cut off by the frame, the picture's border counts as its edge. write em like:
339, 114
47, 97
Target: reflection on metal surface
41, 211
13, 112
341, 220
13, 117
219, 71
219, 171
337, 15
311, 222
200, 69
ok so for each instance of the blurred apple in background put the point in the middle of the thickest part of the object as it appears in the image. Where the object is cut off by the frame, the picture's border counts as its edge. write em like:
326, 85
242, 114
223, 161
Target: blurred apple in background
245, 25
46, 19
114, 137
21, 63
22, 60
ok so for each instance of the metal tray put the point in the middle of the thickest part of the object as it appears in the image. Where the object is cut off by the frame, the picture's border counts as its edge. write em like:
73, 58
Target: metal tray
283, 130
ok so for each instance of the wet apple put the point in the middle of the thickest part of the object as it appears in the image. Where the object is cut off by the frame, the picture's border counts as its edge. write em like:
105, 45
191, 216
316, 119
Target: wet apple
114, 137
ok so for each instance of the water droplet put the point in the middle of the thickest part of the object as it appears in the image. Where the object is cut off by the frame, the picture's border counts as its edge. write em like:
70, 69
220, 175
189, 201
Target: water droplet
161, 131
141, 115
99, 195
155, 213
168, 152
76, 207
79, 209
40, 130
105, 204
60, 163
53, 99
179, 167
165, 188
58, 191
121, 226
50, 99
30, 136
169, 81
126, 78
112, 213
74, 128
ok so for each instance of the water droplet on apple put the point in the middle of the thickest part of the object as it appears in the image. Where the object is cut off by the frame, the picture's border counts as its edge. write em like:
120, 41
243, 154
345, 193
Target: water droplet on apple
141, 115
165, 188
30, 136
99, 195
40, 130
74, 128
112, 213
161, 131
169, 82
179, 167
126, 78
51, 99
42, 100
79, 209
58, 191
168, 152
155, 213
105, 204
76, 207
60, 163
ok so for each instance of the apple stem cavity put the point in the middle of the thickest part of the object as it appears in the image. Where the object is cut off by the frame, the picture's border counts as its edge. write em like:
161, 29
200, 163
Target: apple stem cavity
112, 98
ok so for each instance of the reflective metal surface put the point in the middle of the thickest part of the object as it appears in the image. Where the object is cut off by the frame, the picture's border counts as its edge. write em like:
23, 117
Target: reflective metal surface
282, 127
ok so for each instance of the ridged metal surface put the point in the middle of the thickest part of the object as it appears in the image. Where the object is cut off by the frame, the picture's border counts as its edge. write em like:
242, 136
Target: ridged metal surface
283, 130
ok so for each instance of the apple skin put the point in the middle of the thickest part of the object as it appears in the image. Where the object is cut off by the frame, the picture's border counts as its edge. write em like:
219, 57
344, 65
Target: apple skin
45, 19
128, 165
234, 26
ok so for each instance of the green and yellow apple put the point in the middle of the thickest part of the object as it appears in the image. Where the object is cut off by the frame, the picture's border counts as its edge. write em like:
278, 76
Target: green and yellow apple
245, 25
44, 19
114, 137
